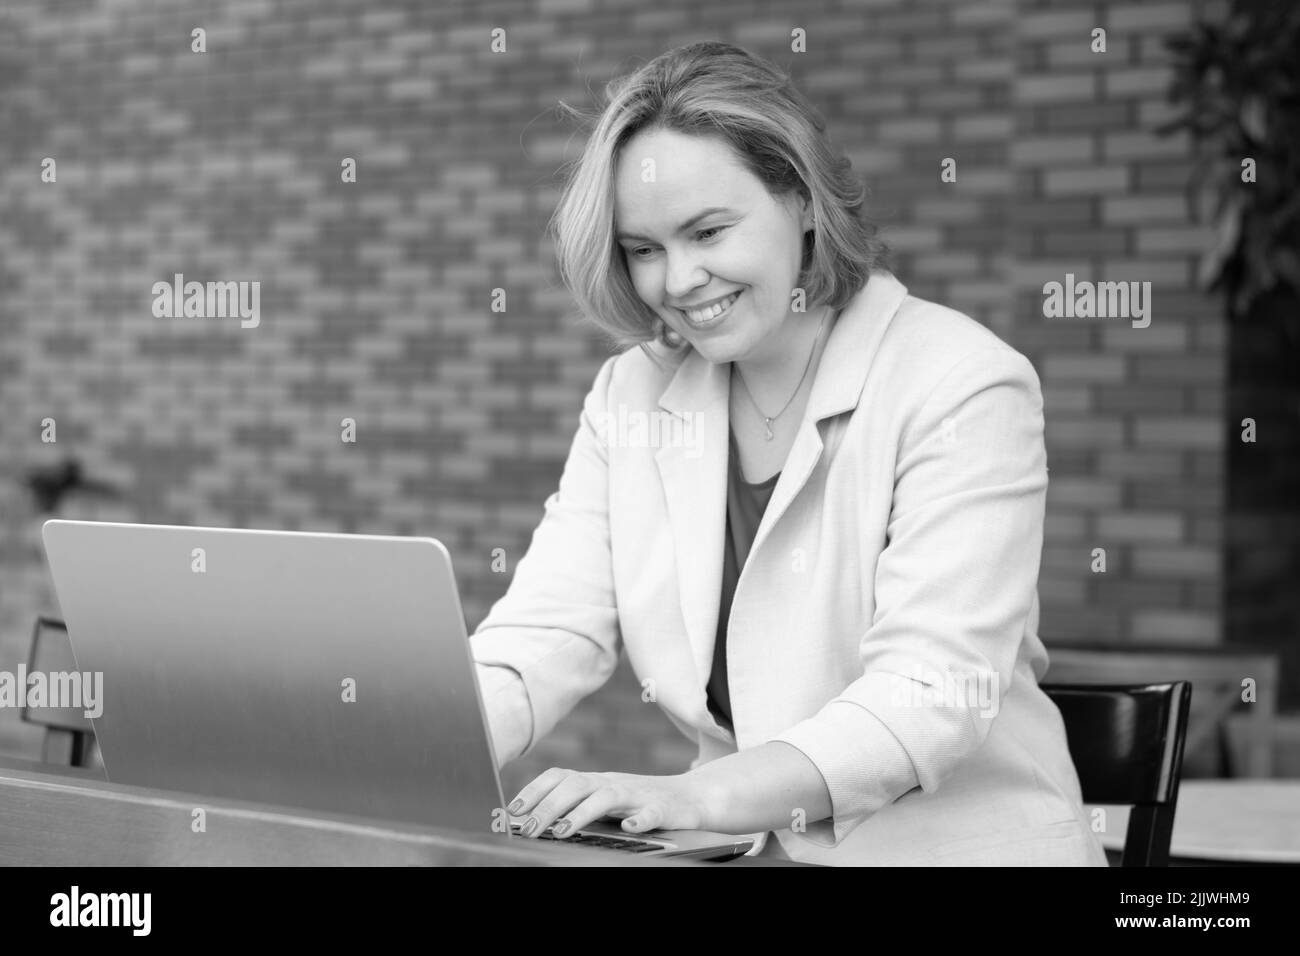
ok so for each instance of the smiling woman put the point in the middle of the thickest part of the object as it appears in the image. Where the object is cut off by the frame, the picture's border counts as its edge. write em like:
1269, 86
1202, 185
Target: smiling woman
733, 112
851, 546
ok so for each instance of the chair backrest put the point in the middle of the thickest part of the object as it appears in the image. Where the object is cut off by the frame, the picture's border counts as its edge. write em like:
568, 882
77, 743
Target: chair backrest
1127, 745
1220, 676
69, 734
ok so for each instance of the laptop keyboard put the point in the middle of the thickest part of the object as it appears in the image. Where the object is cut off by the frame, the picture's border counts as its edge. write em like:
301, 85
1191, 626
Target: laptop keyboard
626, 844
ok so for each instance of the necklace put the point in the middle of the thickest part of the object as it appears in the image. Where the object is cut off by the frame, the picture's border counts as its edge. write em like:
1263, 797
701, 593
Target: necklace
769, 419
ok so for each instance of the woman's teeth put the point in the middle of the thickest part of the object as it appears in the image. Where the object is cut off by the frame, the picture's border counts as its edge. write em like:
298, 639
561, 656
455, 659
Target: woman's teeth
715, 311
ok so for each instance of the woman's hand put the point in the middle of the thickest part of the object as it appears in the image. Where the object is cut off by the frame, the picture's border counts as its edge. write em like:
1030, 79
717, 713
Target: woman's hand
572, 799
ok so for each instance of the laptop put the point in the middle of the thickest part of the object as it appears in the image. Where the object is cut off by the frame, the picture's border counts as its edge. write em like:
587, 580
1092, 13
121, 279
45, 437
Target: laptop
329, 672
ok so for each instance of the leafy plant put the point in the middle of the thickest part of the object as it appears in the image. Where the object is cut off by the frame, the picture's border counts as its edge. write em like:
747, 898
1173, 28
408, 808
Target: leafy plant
1240, 81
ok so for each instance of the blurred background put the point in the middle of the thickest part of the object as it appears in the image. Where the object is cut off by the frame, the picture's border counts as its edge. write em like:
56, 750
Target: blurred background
376, 295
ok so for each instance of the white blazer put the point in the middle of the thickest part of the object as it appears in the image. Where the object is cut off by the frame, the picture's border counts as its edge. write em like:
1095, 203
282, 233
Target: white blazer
892, 580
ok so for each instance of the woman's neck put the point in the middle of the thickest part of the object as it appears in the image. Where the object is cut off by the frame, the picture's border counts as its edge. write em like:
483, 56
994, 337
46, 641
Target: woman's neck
773, 377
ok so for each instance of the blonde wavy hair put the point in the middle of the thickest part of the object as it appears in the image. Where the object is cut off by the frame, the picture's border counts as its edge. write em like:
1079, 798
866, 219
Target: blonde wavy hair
720, 90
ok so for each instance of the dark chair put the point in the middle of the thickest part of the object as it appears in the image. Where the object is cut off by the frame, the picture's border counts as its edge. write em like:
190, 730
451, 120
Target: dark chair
1127, 745
1212, 750
69, 734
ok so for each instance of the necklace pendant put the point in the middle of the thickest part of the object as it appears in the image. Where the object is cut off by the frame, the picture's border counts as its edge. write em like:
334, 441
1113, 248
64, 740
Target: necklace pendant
768, 423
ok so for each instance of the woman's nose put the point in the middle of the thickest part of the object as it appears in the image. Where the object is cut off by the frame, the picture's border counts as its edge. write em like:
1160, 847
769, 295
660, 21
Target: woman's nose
684, 275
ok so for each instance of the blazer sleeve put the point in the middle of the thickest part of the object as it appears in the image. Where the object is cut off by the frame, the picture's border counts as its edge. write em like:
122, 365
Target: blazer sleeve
553, 637
953, 588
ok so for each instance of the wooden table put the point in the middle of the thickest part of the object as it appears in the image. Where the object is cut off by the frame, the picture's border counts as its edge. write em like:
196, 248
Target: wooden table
1241, 821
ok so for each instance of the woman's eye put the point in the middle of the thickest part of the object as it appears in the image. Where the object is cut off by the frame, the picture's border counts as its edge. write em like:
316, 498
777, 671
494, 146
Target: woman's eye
636, 253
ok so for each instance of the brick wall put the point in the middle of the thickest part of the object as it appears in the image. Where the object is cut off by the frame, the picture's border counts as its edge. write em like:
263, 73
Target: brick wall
376, 295
1135, 441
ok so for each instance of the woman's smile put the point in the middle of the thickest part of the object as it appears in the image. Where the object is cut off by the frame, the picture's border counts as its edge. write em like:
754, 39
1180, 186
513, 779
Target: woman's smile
710, 318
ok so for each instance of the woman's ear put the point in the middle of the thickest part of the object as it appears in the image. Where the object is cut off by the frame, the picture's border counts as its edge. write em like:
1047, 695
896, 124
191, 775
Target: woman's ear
809, 217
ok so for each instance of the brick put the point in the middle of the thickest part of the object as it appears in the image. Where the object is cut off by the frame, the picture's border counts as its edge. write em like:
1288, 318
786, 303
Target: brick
555, 7
947, 264
1074, 87
1078, 623
1144, 209
958, 46
1149, 526
1072, 560
1160, 273
1064, 527
982, 126
876, 102
1186, 369
1188, 561
1054, 212
1144, 17
1142, 144
1084, 368
915, 130
1207, 465
1048, 150
1153, 112
1208, 402
1134, 399
1082, 242
1189, 498
1087, 493
1086, 433
994, 70
1090, 179
913, 237
1177, 432
847, 77
1053, 589
1077, 51
992, 13
1091, 116
1140, 81
1151, 50
1112, 590
1161, 175
911, 20
1056, 23
1157, 337
953, 209
983, 292
1065, 399
1036, 274
1188, 239
959, 99
910, 75
1141, 463
1177, 627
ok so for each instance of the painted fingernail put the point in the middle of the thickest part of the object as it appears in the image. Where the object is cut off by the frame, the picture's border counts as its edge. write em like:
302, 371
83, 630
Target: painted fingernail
516, 807
530, 827
560, 828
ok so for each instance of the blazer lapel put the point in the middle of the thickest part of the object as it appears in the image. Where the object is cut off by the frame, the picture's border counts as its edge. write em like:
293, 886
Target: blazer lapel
695, 489
837, 386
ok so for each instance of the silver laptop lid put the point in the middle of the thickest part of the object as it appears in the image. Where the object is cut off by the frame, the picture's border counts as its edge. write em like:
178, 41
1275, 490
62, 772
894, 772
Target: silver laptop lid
325, 671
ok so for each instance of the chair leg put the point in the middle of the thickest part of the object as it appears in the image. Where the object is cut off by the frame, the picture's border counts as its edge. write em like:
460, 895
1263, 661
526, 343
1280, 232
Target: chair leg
1150, 831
